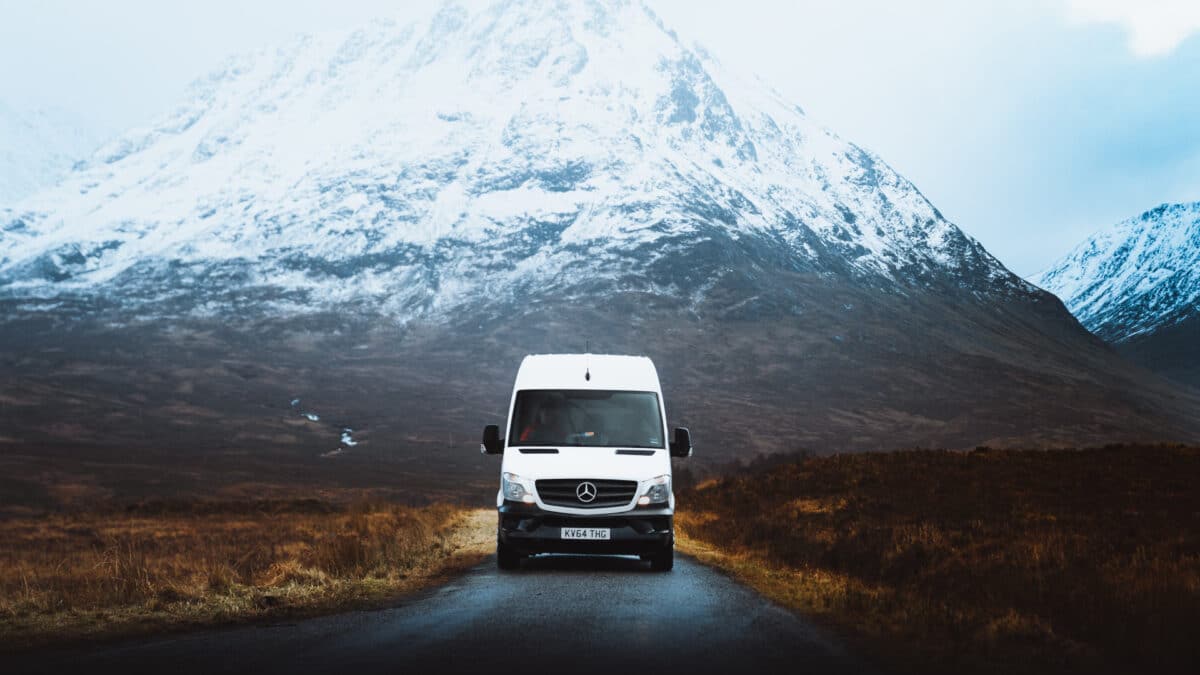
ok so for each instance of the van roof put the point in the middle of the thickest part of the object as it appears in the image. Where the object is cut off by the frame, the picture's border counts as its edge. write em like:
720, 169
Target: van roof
608, 371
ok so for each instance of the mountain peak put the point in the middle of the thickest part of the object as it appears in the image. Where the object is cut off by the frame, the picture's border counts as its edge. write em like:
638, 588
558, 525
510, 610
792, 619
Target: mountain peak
393, 216
415, 165
1134, 277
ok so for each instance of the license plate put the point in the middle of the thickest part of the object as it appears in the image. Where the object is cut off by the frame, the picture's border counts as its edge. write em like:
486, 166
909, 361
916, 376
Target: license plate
585, 533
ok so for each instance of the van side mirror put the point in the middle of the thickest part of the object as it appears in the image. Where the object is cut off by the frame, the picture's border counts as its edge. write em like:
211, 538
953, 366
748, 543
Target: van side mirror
681, 445
492, 444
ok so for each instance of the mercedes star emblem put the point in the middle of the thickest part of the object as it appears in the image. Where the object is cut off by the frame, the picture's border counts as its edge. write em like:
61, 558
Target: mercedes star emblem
586, 491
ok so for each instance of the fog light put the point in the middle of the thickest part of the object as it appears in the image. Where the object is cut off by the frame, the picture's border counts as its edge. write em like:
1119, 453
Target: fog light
528, 499
643, 500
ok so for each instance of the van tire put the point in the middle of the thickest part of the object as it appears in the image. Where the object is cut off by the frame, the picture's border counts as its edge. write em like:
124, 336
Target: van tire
664, 560
506, 558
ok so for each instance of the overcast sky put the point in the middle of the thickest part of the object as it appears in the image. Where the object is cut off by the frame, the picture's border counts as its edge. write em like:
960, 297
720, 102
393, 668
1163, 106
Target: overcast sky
1029, 123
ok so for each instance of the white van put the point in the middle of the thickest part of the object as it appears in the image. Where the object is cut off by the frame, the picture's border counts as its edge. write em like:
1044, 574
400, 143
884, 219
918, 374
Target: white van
587, 463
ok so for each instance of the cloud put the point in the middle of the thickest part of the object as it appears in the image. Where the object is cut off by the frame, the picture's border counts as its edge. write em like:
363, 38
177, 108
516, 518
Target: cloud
1155, 27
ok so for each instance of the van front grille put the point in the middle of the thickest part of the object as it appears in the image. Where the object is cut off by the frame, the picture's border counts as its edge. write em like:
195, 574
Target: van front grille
565, 492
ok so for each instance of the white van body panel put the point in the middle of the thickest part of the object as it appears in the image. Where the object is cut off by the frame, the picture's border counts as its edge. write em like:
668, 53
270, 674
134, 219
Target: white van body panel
569, 371
587, 371
590, 462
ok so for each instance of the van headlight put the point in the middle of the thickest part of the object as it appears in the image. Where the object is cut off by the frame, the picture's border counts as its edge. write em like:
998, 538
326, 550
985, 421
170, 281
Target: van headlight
516, 488
657, 490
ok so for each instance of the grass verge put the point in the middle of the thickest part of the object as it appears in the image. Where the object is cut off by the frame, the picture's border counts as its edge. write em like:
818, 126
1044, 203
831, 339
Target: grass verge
988, 561
68, 577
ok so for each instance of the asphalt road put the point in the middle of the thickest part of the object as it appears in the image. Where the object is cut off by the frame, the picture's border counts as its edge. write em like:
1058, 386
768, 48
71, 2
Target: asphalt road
559, 615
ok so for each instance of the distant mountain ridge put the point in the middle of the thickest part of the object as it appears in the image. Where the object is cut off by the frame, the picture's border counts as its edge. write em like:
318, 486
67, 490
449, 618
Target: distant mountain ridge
1137, 285
383, 223
412, 168
38, 147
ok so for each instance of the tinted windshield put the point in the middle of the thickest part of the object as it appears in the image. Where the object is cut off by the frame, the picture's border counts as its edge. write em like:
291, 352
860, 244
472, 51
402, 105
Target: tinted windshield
630, 419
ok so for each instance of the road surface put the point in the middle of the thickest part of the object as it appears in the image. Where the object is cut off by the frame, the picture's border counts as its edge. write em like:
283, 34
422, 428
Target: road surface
558, 615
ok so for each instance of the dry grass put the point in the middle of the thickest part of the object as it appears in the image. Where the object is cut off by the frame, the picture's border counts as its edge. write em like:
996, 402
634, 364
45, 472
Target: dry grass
989, 561
101, 574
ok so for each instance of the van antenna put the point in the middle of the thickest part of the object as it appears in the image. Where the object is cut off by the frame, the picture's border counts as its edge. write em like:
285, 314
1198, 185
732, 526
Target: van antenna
587, 359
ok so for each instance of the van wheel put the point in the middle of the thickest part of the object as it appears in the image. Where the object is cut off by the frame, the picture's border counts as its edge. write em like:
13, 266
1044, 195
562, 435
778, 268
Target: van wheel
506, 557
663, 560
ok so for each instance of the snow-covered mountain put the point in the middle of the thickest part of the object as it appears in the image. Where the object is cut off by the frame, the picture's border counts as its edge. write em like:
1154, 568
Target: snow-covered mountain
383, 222
1134, 277
1137, 285
38, 148
415, 167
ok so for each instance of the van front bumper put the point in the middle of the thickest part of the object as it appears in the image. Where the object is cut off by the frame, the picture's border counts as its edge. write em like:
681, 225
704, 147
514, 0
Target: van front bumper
529, 530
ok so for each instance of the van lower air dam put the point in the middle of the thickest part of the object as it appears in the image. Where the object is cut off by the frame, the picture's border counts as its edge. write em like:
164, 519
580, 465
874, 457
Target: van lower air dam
586, 464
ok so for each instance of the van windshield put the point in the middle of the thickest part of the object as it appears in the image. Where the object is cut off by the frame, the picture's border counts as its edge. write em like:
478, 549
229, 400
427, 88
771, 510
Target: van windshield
543, 417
